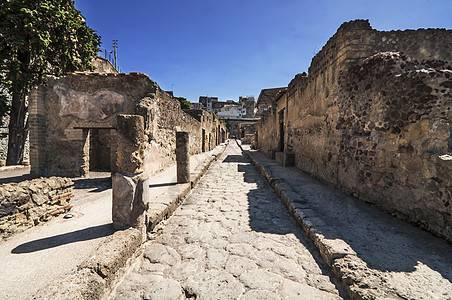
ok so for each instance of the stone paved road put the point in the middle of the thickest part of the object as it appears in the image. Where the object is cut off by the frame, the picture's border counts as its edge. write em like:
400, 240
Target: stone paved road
231, 239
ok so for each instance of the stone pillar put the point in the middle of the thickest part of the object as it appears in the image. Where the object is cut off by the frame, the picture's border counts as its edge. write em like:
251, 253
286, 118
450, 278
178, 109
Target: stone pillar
130, 183
130, 201
131, 144
183, 157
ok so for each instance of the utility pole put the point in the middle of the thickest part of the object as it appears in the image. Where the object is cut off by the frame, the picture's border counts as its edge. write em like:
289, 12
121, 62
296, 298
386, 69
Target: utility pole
115, 46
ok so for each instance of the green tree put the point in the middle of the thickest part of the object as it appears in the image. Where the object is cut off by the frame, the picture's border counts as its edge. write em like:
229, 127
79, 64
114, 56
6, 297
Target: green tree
184, 103
38, 38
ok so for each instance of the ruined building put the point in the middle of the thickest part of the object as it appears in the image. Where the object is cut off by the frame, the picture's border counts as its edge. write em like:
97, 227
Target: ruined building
373, 118
88, 121
267, 98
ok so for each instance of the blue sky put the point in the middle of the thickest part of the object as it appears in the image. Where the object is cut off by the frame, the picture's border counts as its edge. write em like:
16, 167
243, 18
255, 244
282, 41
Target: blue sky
233, 48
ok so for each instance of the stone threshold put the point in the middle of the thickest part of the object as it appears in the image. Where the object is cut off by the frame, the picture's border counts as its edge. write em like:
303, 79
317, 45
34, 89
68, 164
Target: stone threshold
97, 276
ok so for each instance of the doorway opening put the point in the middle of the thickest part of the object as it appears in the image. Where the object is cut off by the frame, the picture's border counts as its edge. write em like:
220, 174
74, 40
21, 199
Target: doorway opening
281, 130
203, 144
100, 149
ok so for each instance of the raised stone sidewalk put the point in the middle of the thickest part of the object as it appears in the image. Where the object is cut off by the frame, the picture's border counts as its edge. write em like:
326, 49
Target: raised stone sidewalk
375, 255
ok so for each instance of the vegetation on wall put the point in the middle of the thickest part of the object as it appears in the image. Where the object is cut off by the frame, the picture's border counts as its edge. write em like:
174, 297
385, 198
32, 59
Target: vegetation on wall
184, 103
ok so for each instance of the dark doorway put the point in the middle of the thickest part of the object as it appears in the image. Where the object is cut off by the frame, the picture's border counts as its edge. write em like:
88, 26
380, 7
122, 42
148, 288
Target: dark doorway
281, 130
203, 144
210, 141
100, 150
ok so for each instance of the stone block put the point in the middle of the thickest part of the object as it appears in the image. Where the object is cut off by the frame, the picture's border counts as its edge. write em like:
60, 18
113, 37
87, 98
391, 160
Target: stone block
285, 159
130, 201
271, 154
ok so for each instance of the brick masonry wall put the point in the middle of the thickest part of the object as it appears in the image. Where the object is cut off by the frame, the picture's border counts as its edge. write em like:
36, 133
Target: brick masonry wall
376, 125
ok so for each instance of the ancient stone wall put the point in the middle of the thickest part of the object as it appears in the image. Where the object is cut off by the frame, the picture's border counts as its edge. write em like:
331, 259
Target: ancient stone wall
163, 116
75, 111
248, 131
267, 139
103, 65
392, 138
272, 140
25, 204
211, 128
375, 124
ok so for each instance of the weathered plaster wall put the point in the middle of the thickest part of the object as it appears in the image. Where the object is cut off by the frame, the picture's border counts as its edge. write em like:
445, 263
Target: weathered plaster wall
62, 113
377, 126
65, 113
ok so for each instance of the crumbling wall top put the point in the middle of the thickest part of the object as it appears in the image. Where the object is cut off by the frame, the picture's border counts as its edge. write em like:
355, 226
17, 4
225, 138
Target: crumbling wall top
357, 40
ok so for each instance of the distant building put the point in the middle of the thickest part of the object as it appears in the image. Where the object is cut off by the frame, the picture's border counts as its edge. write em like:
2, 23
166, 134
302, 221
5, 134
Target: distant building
196, 105
248, 106
207, 102
245, 107
103, 65
230, 111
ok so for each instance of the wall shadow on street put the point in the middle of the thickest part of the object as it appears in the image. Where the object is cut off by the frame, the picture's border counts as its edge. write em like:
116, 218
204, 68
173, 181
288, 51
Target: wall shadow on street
382, 241
96, 185
267, 213
85, 234
17, 178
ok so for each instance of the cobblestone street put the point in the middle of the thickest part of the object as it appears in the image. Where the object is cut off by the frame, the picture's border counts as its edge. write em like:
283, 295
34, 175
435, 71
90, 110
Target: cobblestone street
231, 239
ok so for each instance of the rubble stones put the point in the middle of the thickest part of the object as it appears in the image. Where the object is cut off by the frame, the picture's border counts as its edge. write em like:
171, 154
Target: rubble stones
27, 203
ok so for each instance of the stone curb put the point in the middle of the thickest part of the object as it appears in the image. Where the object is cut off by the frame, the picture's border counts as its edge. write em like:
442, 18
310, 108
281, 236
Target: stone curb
339, 256
96, 276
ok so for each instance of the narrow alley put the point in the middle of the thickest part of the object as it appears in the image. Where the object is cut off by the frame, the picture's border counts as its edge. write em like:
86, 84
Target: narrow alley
231, 238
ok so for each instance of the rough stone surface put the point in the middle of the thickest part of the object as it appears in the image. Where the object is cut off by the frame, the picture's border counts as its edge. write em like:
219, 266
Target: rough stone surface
131, 144
130, 201
231, 238
373, 117
29, 202
77, 113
